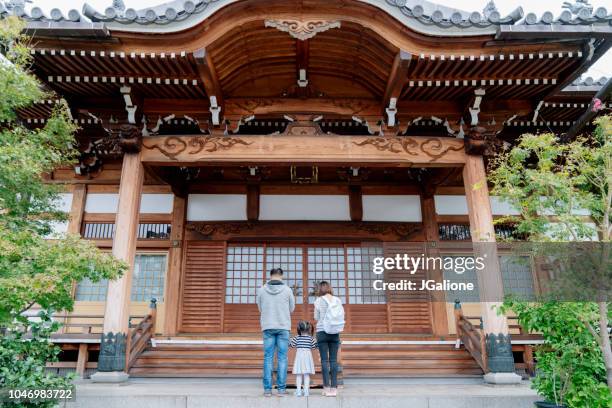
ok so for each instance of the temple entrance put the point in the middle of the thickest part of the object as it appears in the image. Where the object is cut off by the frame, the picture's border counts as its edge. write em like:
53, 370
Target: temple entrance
229, 296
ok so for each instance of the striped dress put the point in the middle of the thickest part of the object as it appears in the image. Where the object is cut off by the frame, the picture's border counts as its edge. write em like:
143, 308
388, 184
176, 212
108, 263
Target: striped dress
303, 363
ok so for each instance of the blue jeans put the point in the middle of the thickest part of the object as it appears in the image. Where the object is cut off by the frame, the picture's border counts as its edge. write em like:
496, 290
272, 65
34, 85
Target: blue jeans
275, 340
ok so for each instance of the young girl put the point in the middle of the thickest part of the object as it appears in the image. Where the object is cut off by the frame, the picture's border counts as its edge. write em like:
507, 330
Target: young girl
303, 366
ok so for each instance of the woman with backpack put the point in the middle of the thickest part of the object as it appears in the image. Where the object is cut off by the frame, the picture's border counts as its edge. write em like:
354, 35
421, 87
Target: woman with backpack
329, 314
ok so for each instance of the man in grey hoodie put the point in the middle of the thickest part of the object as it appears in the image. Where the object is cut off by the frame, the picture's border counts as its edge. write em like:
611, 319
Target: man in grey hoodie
275, 302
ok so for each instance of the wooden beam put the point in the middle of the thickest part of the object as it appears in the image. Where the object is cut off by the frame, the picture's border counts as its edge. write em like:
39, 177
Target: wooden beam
343, 107
302, 54
602, 95
355, 203
303, 150
208, 76
124, 244
175, 264
176, 106
395, 83
240, 107
302, 48
306, 230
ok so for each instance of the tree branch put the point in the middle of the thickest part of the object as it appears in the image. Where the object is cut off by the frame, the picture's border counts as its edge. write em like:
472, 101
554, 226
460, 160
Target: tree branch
26, 308
591, 329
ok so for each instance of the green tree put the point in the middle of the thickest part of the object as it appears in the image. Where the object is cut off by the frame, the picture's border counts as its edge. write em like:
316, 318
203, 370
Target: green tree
551, 184
34, 271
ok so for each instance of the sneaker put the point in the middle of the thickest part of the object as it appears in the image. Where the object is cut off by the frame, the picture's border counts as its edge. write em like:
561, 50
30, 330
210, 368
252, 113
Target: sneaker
298, 393
333, 392
325, 391
306, 393
282, 393
267, 393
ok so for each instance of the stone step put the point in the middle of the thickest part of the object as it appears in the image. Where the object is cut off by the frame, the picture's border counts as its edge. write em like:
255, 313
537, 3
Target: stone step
195, 393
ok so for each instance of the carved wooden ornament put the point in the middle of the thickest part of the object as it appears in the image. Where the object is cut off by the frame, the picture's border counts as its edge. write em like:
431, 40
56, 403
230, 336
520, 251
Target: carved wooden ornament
173, 145
302, 30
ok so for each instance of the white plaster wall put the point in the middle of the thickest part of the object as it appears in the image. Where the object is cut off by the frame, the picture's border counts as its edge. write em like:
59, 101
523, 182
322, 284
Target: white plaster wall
58, 228
156, 203
500, 207
216, 207
64, 202
406, 208
304, 207
451, 205
101, 203
109, 202
457, 205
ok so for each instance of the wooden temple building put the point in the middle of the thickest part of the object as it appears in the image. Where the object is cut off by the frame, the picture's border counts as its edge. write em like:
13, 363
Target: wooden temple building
221, 138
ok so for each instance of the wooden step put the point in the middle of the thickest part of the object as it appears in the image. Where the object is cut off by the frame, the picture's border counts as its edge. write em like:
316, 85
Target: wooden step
357, 360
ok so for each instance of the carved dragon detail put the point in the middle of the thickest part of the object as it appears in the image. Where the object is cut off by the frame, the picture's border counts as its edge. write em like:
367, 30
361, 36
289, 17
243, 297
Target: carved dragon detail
432, 147
172, 146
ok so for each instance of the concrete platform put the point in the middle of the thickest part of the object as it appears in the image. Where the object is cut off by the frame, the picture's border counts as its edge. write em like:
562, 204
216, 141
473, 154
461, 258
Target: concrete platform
191, 393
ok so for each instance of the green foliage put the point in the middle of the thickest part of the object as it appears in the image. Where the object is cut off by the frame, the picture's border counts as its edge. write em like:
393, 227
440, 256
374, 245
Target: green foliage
552, 183
542, 177
570, 363
34, 271
28, 371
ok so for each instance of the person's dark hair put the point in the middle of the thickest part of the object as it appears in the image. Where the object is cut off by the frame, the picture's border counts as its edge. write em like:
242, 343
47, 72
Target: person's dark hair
325, 288
276, 272
305, 328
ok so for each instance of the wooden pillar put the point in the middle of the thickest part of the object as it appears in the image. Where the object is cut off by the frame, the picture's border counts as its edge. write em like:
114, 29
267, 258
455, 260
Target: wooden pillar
113, 343
490, 282
82, 359
252, 209
124, 244
432, 236
75, 221
483, 232
79, 195
173, 285
355, 203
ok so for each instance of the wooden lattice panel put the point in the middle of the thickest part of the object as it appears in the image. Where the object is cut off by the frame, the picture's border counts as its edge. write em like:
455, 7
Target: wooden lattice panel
203, 288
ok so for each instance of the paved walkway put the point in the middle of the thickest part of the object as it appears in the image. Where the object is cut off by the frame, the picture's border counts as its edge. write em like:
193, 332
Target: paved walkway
191, 393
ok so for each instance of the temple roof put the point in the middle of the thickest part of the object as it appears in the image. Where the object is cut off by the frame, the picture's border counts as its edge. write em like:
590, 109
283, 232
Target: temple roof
420, 15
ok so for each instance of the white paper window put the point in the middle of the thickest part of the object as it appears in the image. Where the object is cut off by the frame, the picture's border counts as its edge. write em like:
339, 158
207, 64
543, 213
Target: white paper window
148, 280
88, 291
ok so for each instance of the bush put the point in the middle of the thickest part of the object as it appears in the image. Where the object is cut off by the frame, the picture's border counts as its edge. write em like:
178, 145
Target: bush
570, 366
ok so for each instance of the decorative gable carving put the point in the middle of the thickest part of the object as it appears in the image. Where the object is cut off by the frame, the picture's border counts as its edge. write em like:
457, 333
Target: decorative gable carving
302, 30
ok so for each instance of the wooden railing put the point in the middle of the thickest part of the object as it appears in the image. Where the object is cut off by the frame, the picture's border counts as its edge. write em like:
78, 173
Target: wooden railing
472, 337
85, 323
139, 337
513, 324
517, 331
80, 323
